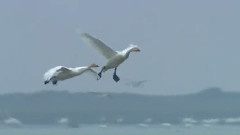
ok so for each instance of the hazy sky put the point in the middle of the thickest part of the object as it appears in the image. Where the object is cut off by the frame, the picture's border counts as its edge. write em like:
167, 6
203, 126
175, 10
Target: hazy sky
187, 45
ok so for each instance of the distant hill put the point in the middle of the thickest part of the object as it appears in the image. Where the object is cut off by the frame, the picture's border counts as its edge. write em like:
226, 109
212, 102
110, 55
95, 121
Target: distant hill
47, 107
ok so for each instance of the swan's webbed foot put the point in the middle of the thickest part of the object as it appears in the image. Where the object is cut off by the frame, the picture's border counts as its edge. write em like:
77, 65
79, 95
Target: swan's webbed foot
99, 75
54, 82
115, 78
46, 82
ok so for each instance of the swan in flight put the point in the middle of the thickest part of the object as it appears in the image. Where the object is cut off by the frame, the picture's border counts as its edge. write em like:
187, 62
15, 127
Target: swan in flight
60, 73
114, 58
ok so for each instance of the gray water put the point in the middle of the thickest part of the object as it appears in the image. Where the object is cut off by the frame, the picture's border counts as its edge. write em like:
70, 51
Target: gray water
123, 130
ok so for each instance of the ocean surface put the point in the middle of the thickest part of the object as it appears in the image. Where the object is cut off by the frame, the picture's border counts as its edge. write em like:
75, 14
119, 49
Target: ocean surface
123, 130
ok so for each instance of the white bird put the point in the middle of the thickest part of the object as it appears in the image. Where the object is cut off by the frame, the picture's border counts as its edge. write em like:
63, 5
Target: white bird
114, 58
136, 84
60, 73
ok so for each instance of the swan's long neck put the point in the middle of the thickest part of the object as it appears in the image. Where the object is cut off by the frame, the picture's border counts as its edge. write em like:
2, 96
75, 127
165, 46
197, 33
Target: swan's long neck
80, 70
127, 52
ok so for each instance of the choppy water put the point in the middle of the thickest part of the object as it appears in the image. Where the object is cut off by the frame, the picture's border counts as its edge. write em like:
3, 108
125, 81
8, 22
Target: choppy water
123, 130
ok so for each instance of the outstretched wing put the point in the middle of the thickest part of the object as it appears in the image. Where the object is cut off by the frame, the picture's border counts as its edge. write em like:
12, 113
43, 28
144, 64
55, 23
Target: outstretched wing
51, 72
54, 72
63, 69
106, 51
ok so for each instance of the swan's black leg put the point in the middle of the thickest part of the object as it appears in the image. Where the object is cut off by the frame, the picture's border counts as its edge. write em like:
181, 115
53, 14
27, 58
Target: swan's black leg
115, 77
100, 73
54, 82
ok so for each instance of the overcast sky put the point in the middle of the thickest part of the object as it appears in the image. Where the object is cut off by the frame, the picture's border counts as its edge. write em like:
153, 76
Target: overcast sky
187, 45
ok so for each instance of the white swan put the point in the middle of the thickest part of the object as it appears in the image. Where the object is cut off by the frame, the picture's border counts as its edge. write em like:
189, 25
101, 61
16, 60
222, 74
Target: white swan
60, 73
114, 58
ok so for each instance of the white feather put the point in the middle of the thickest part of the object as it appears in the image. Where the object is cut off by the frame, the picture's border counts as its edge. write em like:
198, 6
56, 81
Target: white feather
60, 73
106, 51
114, 58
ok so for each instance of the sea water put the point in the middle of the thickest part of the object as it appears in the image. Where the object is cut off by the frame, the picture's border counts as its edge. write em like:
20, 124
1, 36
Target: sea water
123, 130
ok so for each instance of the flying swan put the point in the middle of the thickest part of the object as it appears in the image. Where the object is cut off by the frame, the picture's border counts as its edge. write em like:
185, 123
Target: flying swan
114, 58
60, 73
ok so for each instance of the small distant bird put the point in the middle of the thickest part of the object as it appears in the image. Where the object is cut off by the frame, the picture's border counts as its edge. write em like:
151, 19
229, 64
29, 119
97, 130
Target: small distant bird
114, 58
136, 84
60, 73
